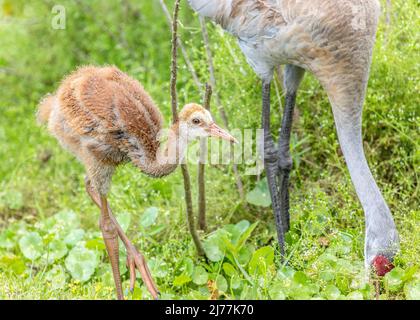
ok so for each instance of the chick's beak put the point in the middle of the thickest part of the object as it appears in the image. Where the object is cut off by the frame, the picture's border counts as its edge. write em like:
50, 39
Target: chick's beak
216, 131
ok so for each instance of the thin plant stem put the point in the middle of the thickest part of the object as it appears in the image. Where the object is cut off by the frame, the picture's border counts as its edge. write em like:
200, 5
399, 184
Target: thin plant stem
174, 105
202, 223
190, 212
181, 45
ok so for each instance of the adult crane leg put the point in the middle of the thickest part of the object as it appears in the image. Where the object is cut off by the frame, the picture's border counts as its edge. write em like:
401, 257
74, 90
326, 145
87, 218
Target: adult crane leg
293, 76
271, 163
135, 260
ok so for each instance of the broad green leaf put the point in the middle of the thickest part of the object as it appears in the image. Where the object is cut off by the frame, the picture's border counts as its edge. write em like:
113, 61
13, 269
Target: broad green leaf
168, 296
250, 292
331, 292
55, 250
149, 217
17, 230
229, 269
412, 290
346, 237
327, 259
196, 295
409, 273
367, 290
188, 266
164, 188
81, 263
74, 236
358, 281
12, 263
158, 268
107, 279
260, 195
228, 245
124, 219
346, 266
31, 245
245, 254
7, 239
156, 229
237, 230
246, 235
394, 279
242, 226
343, 281
181, 280
262, 259
316, 224
245, 292
341, 250
276, 291
104, 272
286, 272
57, 277
213, 251
235, 282
327, 274
60, 224
355, 295
215, 245
301, 287
95, 244
303, 292
200, 276
68, 218
301, 278
292, 238
221, 283
137, 294
11, 199
123, 260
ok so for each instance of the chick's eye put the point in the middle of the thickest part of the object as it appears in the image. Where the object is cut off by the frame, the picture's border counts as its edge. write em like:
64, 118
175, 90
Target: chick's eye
196, 121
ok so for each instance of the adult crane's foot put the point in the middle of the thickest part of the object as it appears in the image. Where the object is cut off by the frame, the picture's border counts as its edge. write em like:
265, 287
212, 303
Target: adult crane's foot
381, 265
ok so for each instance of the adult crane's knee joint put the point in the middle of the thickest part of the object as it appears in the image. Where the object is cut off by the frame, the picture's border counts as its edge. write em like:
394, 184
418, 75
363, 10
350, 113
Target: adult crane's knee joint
285, 162
270, 153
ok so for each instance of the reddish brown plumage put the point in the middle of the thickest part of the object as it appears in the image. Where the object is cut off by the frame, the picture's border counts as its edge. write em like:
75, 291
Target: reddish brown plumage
102, 102
103, 112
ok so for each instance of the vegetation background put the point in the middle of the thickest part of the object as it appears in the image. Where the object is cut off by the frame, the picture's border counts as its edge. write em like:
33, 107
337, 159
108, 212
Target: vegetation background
50, 244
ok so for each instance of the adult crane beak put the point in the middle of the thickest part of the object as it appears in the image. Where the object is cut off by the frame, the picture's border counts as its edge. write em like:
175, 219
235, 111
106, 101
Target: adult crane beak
216, 131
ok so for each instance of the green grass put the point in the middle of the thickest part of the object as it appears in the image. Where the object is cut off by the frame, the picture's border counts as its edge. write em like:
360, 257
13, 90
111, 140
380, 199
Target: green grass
42, 197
